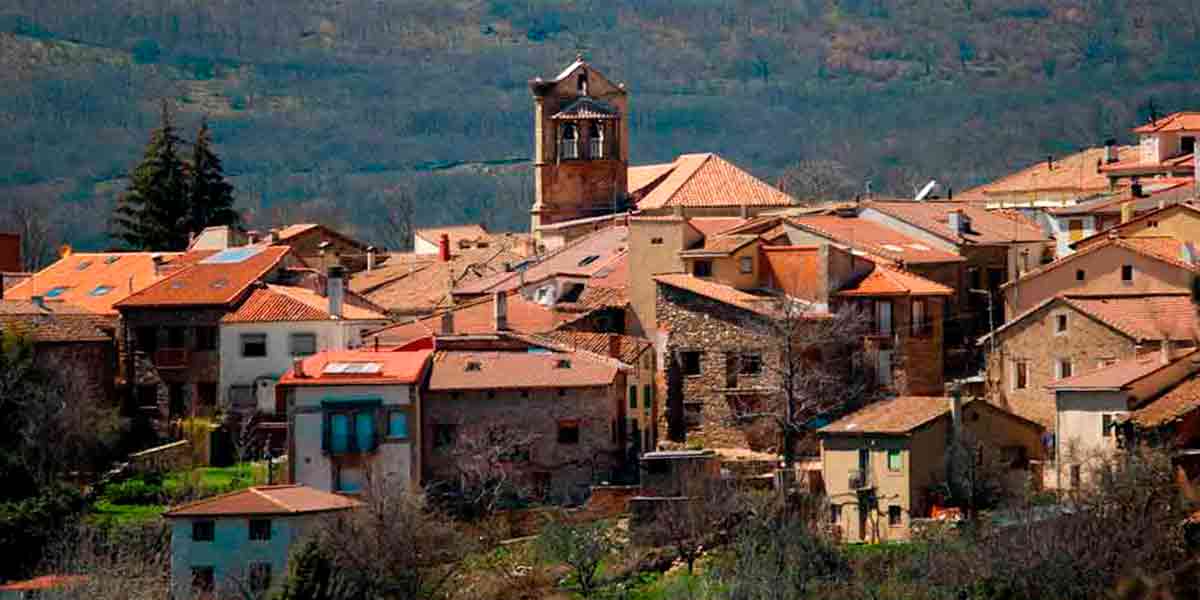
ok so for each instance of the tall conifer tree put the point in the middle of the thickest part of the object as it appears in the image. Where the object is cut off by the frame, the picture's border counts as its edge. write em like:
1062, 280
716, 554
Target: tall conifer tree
154, 210
210, 195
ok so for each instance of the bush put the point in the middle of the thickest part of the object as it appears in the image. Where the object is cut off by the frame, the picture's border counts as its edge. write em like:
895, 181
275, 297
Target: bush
27, 526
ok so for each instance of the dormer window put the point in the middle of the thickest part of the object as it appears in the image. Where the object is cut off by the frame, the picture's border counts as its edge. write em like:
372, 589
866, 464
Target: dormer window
568, 146
1187, 144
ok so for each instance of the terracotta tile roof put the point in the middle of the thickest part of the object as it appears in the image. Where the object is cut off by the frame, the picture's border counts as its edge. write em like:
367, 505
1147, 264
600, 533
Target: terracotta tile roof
1076, 172
884, 280
457, 233
792, 269
1138, 220
476, 317
1180, 121
220, 279
58, 322
586, 107
933, 217
1164, 249
93, 281
721, 245
470, 370
1133, 165
586, 257
395, 367
1039, 409
718, 291
630, 348
898, 415
1115, 376
45, 582
1154, 191
1176, 403
704, 180
876, 238
413, 284
265, 500
390, 267
1143, 317
292, 231
709, 226
641, 177
274, 303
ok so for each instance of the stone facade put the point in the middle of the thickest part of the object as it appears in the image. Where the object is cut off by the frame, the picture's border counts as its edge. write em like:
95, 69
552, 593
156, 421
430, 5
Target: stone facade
182, 345
561, 470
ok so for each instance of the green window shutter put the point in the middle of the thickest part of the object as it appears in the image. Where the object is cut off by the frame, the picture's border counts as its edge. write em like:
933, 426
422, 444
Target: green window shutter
340, 433
398, 424
633, 396
648, 396
325, 433
364, 429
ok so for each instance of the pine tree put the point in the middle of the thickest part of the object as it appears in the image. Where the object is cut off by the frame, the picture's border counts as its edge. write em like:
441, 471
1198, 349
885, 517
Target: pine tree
154, 210
209, 194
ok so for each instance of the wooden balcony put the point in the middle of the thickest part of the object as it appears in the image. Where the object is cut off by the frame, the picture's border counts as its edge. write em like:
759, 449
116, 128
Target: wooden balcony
172, 358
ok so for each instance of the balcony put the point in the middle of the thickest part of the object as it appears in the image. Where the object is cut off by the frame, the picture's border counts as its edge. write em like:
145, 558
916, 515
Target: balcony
860, 480
171, 358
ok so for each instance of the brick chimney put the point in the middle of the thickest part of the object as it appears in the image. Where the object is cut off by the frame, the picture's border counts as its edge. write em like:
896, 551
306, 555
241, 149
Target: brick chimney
500, 304
370, 258
444, 248
298, 368
336, 290
448, 322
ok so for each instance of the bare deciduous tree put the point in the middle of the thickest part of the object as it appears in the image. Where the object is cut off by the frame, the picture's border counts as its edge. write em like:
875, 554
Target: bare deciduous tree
130, 562
689, 524
580, 546
484, 460
816, 181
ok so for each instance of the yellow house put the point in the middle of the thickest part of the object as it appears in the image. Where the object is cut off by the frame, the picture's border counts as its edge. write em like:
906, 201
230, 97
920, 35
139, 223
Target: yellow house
880, 462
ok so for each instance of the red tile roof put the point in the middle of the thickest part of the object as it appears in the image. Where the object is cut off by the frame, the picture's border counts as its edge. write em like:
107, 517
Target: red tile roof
45, 582
588, 256
898, 415
395, 367
1163, 249
1154, 190
1177, 402
1180, 121
478, 316
709, 226
986, 227
1143, 317
876, 238
707, 180
630, 348
457, 234
792, 269
1073, 173
1132, 164
276, 303
1116, 376
719, 292
94, 280
643, 176
267, 500
420, 284
471, 370
58, 322
1157, 214
292, 231
884, 280
219, 279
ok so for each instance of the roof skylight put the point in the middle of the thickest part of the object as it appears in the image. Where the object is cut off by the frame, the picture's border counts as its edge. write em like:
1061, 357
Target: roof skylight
352, 368
57, 291
233, 255
100, 290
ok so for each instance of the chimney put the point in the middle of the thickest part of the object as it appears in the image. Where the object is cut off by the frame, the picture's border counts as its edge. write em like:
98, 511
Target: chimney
955, 220
1135, 189
38, 301
448, 322
678, 210
298, 368
158, 261
444, 248
1127, 211
336, 292
501, 310
1110, 151
1164, 350
614, 346
1050, 162
370, 258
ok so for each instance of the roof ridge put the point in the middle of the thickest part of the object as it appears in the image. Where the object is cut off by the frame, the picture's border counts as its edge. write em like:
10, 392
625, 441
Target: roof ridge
273, 500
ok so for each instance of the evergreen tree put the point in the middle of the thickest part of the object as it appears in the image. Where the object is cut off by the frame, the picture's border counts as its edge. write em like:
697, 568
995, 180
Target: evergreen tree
153, 212
210, 195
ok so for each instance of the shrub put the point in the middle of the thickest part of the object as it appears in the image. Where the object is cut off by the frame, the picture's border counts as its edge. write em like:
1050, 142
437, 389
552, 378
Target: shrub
133, 491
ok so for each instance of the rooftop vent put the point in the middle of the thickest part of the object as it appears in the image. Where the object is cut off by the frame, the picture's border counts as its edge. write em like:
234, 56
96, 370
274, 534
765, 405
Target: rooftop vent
562, 364
474, 366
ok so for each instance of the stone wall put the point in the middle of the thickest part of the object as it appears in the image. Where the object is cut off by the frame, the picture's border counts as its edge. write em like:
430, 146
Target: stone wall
202, 368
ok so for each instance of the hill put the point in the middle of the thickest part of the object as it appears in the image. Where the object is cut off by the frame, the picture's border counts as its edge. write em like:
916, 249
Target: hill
328, 109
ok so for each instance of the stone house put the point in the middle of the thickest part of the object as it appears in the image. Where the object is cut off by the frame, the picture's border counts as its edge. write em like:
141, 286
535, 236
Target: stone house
881, 463
1068, 335
1110, 267
1090, 407
319, 247
175, 321
239, 543
74, 344
277, 324
560, 412
353, 414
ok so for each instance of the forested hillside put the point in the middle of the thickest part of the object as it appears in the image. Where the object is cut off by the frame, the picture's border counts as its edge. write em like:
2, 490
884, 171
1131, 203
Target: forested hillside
324, 109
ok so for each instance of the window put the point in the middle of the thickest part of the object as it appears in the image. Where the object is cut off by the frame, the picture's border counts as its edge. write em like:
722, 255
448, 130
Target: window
1063, 368
746, 264
207, 393
656, 241
398, 424
562, 363
176, 337
206, 339
350, 431
1080, 275
1187, 144
147, 338
749, 364
921, 325
1106, 425
1020, 374
1060, 324
691, 363
260, 530
254, 345
202, 580
835, 513
883, 317
260, 577
1126, 273
633, 396
895, 516
203, 531
100, 290
648, 396
303, 344
702, 268
568, 431
444, 435
1076, 476
895, 460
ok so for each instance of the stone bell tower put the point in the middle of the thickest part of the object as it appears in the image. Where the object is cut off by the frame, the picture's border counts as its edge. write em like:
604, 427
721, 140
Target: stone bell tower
581, 146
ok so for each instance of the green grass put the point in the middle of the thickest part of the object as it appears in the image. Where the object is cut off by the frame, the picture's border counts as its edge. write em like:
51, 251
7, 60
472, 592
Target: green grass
104, 512
219, 479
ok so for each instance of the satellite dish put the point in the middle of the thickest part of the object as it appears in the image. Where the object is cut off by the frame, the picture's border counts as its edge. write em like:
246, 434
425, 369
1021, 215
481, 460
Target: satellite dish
924, 193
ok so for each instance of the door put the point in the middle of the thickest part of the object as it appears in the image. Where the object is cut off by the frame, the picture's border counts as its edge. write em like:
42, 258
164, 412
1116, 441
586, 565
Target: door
883, 317
883, 368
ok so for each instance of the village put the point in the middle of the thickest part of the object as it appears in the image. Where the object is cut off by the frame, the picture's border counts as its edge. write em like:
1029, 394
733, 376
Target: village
659, 331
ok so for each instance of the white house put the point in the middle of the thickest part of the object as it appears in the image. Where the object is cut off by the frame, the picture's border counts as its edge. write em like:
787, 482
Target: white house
275, 326
239, 542
1089, 406
354, 413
